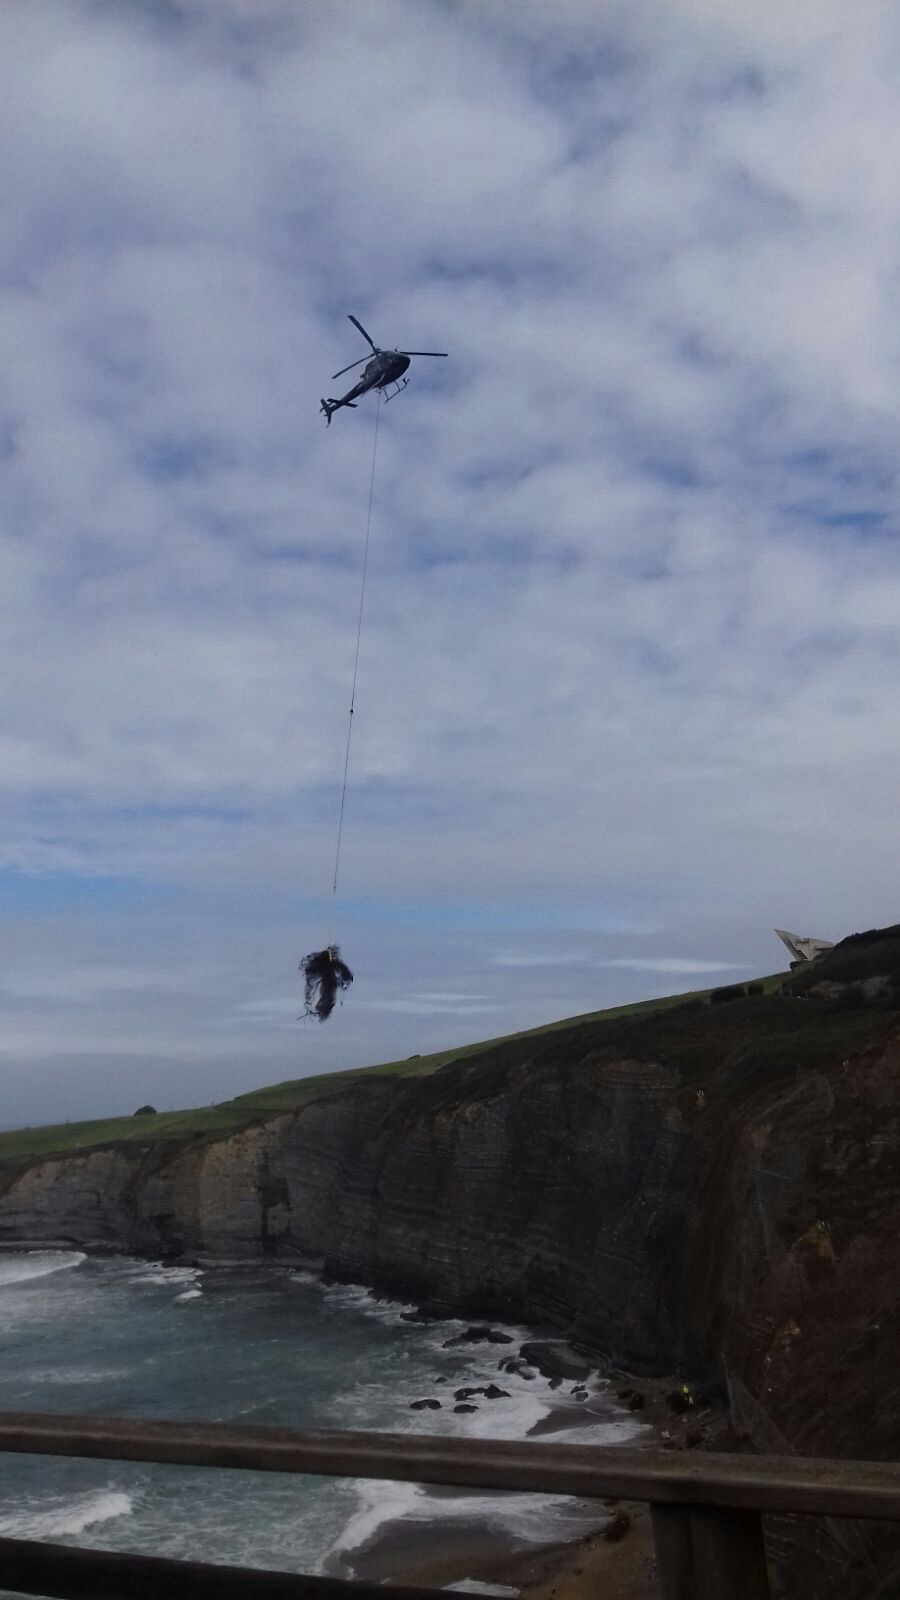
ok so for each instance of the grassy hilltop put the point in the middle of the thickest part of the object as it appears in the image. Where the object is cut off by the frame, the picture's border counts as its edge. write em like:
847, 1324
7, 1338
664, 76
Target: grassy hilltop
231, 1115
679, 1027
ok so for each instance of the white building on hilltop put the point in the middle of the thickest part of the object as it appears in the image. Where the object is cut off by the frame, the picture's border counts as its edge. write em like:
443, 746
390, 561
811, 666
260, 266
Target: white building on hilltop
803, 949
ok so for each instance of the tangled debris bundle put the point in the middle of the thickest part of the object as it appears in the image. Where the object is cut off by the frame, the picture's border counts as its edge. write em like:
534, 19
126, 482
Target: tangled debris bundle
324, 974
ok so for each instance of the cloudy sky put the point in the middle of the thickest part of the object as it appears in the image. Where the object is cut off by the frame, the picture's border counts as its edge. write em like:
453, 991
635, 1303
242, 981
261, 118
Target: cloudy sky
630, 677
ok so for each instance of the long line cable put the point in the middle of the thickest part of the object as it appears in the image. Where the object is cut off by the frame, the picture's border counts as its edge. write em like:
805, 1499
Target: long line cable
362, 602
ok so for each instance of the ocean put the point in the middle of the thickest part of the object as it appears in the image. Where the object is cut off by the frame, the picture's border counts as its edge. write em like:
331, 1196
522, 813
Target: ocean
257, 1344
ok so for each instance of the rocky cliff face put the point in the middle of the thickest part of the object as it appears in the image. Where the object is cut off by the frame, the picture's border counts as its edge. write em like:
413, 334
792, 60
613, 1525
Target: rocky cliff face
711, 1190
665, 1189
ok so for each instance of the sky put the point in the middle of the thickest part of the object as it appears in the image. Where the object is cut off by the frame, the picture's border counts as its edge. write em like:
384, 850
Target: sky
629, 683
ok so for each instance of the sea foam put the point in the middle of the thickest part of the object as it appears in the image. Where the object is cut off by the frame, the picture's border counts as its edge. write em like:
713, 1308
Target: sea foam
522, 1519
30, 1264
163, 1277
62, 1518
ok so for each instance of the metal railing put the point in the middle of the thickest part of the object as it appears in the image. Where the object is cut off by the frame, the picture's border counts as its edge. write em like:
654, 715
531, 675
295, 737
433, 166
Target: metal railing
706, 1509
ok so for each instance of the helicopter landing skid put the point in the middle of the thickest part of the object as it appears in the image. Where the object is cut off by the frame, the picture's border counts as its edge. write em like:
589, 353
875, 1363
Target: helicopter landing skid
398, 390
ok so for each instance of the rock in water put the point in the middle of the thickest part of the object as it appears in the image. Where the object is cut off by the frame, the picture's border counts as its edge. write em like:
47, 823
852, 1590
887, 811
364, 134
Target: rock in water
555, 1359
479, 1334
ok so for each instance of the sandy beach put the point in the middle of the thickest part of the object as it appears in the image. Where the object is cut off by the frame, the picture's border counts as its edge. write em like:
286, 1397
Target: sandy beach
593, 1566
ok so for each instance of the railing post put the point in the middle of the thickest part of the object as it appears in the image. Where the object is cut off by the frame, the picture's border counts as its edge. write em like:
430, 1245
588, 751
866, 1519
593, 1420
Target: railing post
709, 1553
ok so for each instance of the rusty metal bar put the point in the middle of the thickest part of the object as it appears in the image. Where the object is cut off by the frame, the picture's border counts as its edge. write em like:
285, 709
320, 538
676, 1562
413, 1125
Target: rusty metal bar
29, 1567
674, 1554
707, 1553
765, 1483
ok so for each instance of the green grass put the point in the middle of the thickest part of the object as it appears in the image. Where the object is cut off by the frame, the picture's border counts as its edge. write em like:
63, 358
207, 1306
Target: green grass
260, 1104
67, 1136
298, 1091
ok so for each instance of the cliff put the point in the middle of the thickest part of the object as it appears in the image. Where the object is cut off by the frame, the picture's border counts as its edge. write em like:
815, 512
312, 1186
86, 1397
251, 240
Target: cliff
711, 1189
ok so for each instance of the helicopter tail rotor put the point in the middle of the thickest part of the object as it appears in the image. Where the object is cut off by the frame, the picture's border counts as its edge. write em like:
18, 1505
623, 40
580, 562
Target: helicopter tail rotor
327, 407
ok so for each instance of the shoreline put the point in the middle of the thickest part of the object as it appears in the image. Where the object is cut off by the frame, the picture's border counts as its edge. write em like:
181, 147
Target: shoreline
610, 1553
612, 1558
590, 1567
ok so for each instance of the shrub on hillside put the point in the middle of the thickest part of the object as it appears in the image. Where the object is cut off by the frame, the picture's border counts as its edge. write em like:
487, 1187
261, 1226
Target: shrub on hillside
754, 988
852, 999
728, 991
874, 953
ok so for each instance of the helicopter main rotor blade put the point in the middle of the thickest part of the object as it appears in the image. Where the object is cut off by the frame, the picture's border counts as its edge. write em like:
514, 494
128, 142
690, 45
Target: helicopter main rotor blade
349, 369
357, 324
421, 352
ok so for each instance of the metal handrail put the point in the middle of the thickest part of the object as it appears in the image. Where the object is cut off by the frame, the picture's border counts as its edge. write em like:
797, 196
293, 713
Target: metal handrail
30, 1567
706, 1508
811, 1485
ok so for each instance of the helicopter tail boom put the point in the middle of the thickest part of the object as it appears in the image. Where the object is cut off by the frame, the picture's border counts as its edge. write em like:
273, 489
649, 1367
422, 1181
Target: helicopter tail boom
327, 407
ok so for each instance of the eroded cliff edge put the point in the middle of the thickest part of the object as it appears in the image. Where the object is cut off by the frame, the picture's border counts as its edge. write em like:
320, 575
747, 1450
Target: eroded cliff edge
713, 1189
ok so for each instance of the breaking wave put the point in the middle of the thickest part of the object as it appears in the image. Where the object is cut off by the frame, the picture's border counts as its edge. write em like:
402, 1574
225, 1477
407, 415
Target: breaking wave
31, 1264
281, 1347
65, 1518
438, 1369
163, 1277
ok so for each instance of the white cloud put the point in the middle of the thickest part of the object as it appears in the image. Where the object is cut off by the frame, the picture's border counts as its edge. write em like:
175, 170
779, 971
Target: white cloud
537, 958
83, 983
420, 1005
671, 964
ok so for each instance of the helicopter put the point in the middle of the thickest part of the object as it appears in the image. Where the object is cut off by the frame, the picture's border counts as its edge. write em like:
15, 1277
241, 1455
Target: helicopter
385, 367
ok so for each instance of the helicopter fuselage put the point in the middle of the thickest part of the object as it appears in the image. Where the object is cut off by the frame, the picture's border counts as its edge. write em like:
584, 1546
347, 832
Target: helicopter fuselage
387, 366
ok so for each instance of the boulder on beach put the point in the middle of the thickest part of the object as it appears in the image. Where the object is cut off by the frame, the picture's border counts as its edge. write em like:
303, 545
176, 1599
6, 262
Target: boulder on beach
479, 1334
554, 1359
424, 1405
616, 1528
516, 1365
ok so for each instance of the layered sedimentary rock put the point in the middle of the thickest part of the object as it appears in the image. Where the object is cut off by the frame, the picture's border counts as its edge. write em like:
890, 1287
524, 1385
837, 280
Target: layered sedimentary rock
664, 1190
709, 1190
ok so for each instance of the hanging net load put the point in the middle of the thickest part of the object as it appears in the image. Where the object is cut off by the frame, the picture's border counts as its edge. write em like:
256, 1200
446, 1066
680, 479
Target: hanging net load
325, 976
